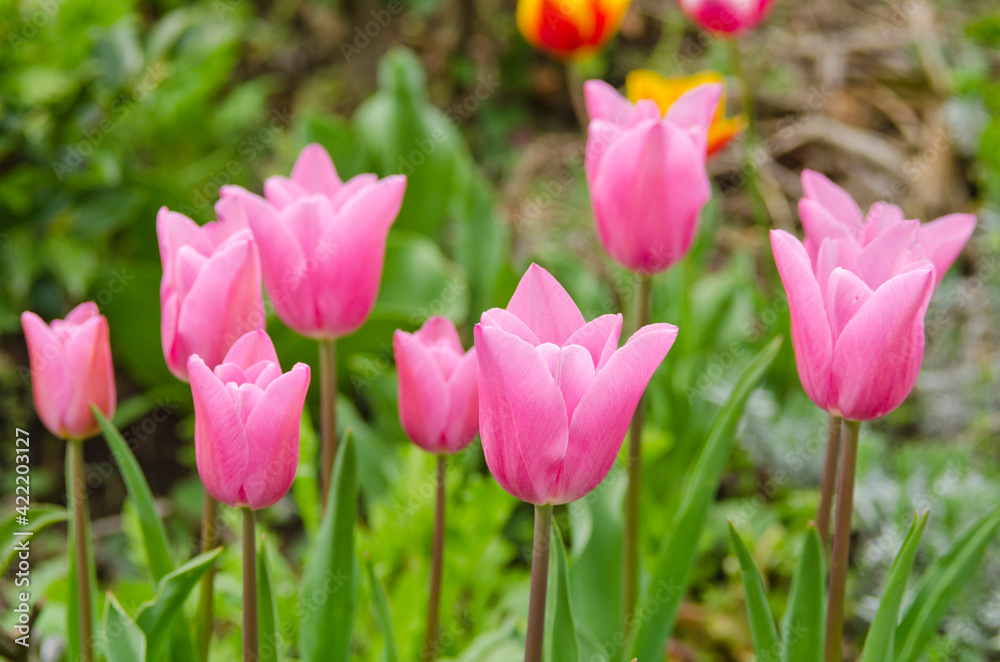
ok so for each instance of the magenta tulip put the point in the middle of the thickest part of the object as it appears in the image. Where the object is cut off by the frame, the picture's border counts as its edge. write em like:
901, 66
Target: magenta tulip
247, 416
727, 17
70, 370
210, 294
858, 337
882, 242
438, 392
322, 242
646, 173
556, 393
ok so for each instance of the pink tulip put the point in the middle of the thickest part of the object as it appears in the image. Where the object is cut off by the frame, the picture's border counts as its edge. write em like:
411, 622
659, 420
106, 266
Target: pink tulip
882, 242
70, 370
438, 392
728, 17
556, 393
322, 242
247, 416
858, 335
210, 294
646, 173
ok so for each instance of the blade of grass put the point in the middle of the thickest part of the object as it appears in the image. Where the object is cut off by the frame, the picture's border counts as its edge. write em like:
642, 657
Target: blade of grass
765, 636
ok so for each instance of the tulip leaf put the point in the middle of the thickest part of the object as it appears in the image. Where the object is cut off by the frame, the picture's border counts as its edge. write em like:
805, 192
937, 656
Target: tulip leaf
804, 624
124, 640
267, 610
938, 586
329, 583
383, 618
676, 557
154, 534
561, 645
156, 617
42, 516
880, 641
765, 635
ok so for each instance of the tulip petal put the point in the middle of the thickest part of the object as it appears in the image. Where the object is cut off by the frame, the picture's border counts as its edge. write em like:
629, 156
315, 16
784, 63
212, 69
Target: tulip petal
600, 136
314, 171
881, 217
174, 230
845, 295
424, 400
438, 328
282, 192
545, 306
885, 255
504, 319
573, 369
605, 411
695, 109
250, 349
943, 240
88, 361
522, 415
819, 225
835, 199
272, 434
600, 337
50, 379
605, 103
220, 441
463, 416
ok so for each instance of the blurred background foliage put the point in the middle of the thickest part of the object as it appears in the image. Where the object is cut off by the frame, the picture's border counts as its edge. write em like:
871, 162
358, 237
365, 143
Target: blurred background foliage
110, 109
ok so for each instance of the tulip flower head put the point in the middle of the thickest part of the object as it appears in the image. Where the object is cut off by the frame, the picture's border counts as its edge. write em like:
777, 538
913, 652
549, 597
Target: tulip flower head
247, 416
556, 393
727, 17
70, 370
646, 172
645, 84
438, 391
322, 242
569, 29
210, 294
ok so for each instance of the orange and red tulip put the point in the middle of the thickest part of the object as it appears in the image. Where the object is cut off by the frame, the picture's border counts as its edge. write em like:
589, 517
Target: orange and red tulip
569, 29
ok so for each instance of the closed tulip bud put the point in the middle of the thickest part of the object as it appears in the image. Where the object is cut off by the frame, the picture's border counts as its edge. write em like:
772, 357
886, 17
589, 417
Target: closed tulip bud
322, 242
438, 392
858, 333
556, 393
646, 173
727, 17
569, 29
210, 294
70, 370
247, 415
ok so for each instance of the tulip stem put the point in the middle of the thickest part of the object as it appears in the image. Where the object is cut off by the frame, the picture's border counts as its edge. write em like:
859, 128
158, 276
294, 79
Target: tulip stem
574, 86
429, 652
539, 583
828, 484
841, 544
250, 644
328, 402
632, 497
209, 514
78, 495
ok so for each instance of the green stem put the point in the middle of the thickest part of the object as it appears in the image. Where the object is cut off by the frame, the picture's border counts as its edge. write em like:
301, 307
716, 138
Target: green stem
841, 544
429, 652
78, 495
632, 496
828, 484
328, 402
574, 85
539, 583
250, 641
209, 514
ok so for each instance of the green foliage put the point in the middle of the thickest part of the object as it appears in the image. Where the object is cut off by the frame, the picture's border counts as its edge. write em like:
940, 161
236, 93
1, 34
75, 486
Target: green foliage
765, 635
124, 641
268, 624
560, 627
802, 628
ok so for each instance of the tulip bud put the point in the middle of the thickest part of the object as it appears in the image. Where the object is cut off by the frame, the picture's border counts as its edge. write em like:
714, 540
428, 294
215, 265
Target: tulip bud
70, 370
569, 29
247, 416
727, 17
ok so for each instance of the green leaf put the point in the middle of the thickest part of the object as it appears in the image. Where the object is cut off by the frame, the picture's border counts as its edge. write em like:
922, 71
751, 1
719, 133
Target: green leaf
156, 617
267, 610
765, 635
676, 558
154, 534
804, 624
329, 584
938, 586
880, 641
124, 641
40, 517
383, 618
561, 644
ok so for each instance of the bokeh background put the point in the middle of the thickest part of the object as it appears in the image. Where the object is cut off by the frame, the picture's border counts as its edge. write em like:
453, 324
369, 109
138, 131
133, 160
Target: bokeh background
110, 109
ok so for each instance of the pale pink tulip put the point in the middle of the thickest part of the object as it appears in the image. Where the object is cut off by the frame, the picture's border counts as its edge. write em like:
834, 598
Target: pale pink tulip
727, 17
210, 294
556, 393
858, 334
646, 173
882, 242
322, 242
247, 415
438, 392
70, 370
